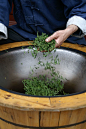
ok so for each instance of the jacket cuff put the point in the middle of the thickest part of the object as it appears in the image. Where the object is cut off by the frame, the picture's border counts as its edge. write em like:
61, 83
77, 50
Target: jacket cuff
3, 31
81, 23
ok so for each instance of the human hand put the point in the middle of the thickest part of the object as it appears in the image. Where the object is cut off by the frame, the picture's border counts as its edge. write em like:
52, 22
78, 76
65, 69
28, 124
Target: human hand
61, 35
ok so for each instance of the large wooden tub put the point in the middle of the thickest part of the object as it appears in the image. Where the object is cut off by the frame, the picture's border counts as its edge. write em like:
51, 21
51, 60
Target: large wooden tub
18, 111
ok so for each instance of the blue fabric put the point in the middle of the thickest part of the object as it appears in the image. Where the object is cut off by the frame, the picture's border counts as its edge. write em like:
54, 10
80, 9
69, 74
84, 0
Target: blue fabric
42, 15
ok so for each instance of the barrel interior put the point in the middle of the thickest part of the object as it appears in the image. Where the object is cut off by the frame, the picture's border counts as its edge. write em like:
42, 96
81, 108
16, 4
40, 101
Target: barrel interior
16, 65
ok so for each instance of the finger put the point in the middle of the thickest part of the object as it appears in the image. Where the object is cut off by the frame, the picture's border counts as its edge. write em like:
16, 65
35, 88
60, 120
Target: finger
58, 43
53, 36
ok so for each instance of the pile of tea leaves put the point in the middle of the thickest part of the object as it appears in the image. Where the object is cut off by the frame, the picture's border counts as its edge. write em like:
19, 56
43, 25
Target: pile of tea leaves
42, 85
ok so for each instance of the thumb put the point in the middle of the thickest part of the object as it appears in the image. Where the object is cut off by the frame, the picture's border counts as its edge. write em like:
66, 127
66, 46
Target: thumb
58, 42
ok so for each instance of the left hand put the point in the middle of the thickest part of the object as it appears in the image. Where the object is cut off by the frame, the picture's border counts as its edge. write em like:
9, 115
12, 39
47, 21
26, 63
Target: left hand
61, 35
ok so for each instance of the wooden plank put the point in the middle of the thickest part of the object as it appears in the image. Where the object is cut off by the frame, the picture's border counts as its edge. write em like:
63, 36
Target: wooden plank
28, 103
16, 44
74, 46
63, 118
18, 117
23, 102
73, 117
49, 119
69, 102
4, 125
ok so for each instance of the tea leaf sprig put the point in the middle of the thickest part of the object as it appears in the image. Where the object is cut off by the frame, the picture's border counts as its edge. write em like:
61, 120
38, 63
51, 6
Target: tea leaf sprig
42, 44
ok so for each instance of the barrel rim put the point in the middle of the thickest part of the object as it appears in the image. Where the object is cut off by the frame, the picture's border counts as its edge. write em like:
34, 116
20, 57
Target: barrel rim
22, 94
69, 102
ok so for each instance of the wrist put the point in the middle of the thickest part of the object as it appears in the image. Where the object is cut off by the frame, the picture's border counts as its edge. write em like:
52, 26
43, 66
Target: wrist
71, 29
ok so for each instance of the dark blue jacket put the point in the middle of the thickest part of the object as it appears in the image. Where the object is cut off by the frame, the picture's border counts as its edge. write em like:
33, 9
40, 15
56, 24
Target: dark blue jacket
42, 15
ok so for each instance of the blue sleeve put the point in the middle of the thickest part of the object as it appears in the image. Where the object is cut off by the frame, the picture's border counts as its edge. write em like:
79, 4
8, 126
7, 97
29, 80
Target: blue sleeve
74, 7
75, 12
5, 8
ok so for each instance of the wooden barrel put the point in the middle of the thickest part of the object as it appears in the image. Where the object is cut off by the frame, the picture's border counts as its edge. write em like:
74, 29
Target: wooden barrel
26, 112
